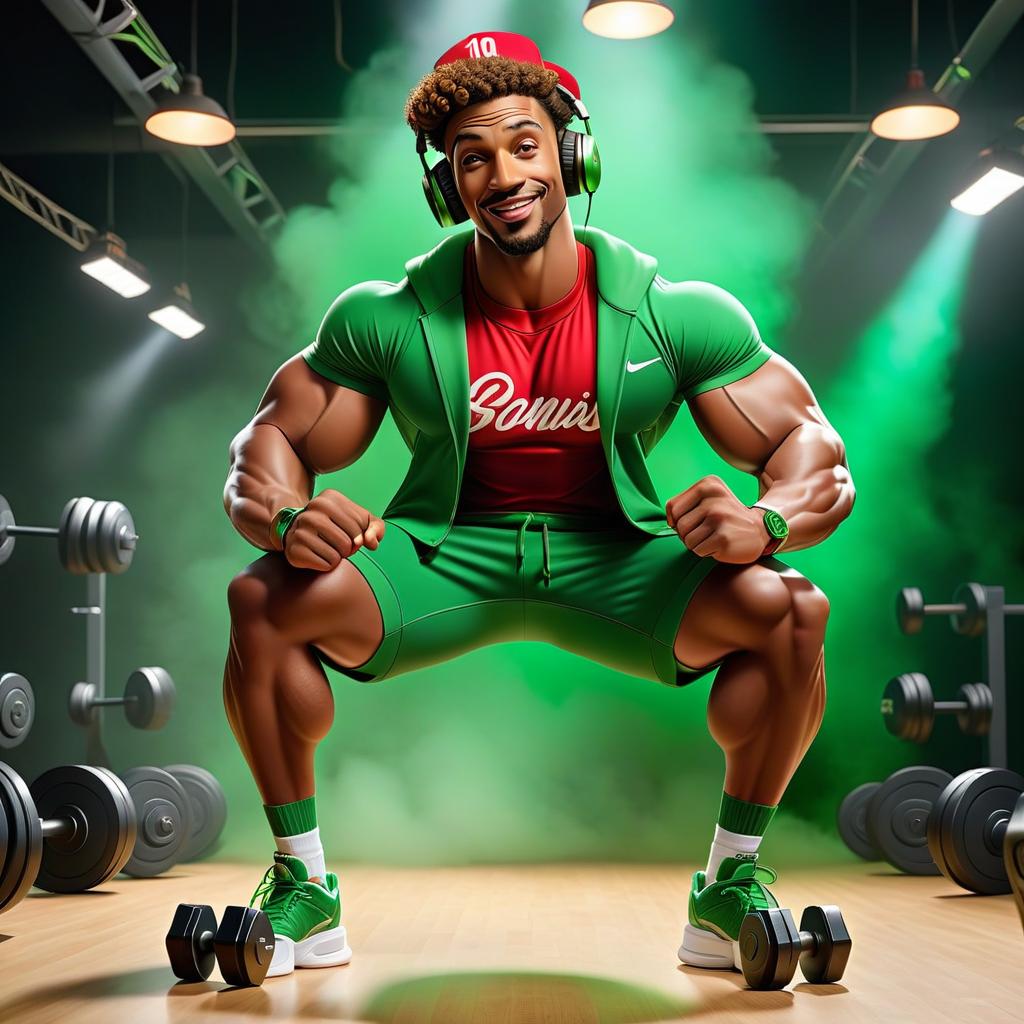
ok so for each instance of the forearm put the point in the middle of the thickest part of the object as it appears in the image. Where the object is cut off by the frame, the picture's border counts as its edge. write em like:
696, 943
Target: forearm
266, 475
808, 481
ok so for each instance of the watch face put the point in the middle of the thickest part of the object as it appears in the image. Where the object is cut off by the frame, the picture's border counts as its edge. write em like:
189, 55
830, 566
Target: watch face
775, 524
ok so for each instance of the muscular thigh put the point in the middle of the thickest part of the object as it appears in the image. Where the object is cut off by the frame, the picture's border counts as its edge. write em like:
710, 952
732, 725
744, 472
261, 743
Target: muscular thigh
334, 611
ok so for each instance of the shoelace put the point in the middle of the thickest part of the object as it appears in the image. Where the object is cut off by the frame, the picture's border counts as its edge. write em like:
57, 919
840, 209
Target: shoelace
280, 893
748, 888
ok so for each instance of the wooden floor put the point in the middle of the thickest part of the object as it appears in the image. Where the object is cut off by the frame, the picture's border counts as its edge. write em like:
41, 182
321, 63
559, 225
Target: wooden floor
572, 944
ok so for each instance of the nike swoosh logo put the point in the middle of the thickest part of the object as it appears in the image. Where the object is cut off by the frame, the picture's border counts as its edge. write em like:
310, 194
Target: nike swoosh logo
633, 367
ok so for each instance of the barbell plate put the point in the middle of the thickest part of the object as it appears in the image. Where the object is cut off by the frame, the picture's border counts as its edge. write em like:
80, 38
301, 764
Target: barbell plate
208, 807
910, 610
124, 798
935, 819
70, 538
969, 847
95, 852
164, 821
23, 840
897, 817
149, 698
851, 820
17, 709
115, 520
971, 621
63, 531
91, 531
6, 540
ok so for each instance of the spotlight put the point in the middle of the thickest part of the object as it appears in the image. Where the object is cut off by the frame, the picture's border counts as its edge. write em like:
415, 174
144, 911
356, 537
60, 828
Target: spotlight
191, 118
996, 175
627, 19
107, 261
177, 315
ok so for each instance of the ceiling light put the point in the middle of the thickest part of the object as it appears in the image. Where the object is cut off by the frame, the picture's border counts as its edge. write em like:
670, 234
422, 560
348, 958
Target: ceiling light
191, 118
916, 113
107, 261
178, 316
996, 176
627, 19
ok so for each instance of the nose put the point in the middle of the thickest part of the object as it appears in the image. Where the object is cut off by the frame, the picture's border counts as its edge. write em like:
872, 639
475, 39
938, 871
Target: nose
505, 175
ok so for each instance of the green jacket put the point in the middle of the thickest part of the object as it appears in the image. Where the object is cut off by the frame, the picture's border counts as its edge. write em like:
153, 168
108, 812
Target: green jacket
406, 343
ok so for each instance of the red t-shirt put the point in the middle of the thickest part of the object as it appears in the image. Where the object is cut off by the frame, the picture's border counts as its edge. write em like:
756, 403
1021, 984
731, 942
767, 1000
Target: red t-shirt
534, 441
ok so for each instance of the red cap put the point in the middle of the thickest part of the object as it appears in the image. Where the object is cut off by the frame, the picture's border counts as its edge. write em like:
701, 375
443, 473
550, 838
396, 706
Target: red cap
506, 44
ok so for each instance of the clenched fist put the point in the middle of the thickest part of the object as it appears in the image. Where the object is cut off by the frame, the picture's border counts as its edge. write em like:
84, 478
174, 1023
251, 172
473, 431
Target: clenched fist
331, 527
711, 520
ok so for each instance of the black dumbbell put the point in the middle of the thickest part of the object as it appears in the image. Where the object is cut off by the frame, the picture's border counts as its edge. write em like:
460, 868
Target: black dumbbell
148, 700
73, 829
967, 611
243, 945
909, 709
771, 946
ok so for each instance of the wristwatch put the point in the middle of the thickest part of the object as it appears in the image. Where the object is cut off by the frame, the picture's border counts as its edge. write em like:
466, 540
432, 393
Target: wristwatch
778, 530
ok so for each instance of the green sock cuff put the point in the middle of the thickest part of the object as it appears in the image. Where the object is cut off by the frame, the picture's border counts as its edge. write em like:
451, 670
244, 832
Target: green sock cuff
744, 818
292, 819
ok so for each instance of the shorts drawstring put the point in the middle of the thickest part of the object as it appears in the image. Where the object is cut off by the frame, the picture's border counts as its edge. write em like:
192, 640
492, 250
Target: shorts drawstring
521, 545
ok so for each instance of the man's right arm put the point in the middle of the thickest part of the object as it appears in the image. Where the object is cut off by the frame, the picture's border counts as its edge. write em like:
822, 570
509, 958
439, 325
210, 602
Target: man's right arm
305, 425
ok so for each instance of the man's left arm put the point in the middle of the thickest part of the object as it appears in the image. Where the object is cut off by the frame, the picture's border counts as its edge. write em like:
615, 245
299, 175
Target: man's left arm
768, 424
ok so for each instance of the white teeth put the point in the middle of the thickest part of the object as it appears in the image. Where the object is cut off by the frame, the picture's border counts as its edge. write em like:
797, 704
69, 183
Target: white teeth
515, 206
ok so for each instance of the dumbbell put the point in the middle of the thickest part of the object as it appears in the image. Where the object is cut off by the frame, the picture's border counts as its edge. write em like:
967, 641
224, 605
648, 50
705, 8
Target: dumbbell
243, 945
72, 830
967, 611
1013, 855
17, 708
771, 946
93, 536
148, 699
909, 709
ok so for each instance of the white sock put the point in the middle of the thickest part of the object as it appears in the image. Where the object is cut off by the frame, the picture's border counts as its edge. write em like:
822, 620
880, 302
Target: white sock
306, 846
728, 844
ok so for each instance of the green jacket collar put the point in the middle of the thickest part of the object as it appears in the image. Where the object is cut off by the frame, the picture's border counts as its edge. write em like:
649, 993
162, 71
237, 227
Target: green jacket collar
623, 273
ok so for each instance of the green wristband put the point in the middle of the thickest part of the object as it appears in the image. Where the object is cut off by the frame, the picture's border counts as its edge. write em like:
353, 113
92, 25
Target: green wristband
284, 518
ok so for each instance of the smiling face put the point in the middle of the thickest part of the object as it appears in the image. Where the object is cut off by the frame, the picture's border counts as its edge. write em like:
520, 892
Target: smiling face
504, 154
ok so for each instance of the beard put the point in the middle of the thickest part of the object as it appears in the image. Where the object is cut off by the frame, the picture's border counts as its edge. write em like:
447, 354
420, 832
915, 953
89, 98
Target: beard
523, 245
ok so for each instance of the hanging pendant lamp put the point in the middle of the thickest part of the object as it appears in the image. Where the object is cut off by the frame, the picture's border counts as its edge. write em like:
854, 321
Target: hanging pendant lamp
916, 113
627, 19
190, 117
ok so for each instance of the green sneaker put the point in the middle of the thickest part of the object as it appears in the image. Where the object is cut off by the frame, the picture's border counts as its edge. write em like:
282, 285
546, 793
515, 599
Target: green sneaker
306, 915
717, 911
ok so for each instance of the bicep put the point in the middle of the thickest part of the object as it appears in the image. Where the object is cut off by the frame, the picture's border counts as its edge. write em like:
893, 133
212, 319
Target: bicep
747, 420
328, 425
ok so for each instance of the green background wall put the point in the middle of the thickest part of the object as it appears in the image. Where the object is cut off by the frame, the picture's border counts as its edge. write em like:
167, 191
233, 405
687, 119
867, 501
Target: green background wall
521, 752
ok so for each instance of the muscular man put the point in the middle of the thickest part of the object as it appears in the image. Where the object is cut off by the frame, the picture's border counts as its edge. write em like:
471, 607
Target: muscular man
530, 369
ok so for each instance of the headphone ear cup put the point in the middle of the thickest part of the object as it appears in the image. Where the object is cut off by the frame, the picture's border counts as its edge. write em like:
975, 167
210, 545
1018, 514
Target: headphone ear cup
568, 155
443, 195
590, 160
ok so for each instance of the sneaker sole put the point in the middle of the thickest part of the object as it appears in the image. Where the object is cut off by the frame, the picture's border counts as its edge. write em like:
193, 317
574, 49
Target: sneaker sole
325, 949
703, 948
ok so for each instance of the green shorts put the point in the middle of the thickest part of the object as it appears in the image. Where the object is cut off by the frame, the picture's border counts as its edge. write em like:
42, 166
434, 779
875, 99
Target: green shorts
615, 596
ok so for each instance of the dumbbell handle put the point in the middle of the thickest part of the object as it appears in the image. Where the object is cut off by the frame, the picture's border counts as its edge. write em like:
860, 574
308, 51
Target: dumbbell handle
58, 828
125, 540
205, 941
809, 942
953, 707
101, 701
961, 609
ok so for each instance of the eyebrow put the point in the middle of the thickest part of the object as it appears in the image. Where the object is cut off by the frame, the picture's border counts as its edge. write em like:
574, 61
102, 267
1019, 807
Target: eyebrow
472, 136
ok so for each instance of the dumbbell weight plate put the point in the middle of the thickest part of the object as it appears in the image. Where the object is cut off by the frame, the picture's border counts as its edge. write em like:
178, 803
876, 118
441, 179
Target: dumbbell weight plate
97, 802
851, 820
21, 838
17, 709
6, 519
150, 697
188, 961
164, 821
826, 961
208, 808
897, 817
91, 533
971, 621
960, 833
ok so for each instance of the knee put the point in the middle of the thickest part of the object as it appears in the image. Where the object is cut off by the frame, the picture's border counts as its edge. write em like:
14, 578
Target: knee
248, 598
810, 609
760, 599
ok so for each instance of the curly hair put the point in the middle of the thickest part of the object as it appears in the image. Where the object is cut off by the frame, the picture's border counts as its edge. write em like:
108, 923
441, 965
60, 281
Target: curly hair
452, 87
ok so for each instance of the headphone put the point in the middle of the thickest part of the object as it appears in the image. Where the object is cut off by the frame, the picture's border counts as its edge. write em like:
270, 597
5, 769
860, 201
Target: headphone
578, 156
